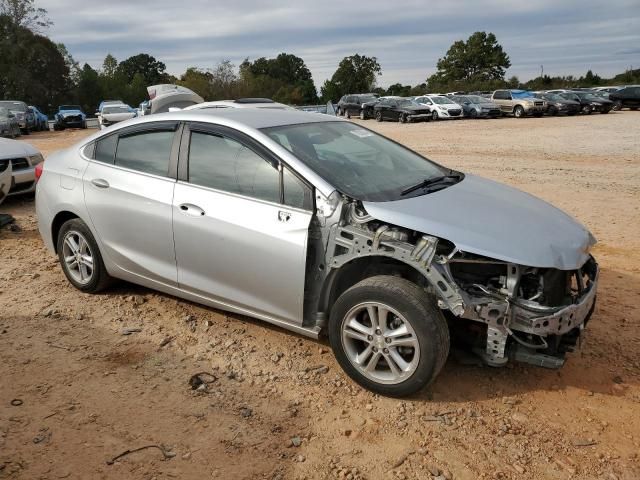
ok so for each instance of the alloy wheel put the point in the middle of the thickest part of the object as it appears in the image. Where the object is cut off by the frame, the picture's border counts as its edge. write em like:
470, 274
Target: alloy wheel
380, 343
78, 257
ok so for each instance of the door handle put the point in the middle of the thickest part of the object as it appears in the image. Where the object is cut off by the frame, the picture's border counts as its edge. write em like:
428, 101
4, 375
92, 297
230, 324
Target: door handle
190, 209
100, 183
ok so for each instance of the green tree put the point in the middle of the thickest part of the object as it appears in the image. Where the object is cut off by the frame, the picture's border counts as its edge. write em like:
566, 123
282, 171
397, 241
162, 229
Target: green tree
89, 91
397, 89
355, 74
479, 61
152, 70
24, 13
109, 66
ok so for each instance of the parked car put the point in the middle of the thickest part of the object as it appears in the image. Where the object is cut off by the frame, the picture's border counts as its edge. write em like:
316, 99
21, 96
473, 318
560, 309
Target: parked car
24, 159
327, 109
165, 96
401, 110
238, 103
9, 126
557, 105
440, 106
105, 103
5, 180
588, 101
41, 121
475, 106
519, 103
628, 97
370, 242
69, 116
114, 113
26, 119
360, 105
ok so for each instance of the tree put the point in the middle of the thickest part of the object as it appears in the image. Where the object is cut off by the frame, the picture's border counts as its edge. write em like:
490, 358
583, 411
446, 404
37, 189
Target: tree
109, 66
89, 91
152, 70
31, 67
23, 13
479, 61
72, 65
355, 74
399, 90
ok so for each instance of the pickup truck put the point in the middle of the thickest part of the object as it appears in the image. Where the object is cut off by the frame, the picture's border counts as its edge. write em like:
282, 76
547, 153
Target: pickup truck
518, 103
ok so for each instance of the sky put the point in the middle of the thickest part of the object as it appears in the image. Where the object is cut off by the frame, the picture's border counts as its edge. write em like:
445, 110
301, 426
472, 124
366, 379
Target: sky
566, 37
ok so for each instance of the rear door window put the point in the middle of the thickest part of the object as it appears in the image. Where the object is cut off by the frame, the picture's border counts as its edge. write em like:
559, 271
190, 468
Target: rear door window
106, 149
147, 152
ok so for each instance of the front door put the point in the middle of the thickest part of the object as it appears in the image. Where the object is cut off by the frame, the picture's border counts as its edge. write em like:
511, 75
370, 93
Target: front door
240, 222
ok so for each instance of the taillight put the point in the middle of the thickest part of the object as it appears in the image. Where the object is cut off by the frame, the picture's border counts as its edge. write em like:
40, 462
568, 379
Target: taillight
38, 170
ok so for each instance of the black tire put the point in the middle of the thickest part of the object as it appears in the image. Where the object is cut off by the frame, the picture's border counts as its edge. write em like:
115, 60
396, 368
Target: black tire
100, 279
473, 113
347, 114
84, 125
553, 111
362, 115
518, 111
617, 105
434, 115
378, 116
605, 111
421, 312
339, 112
402, 118
586, 110
26, 131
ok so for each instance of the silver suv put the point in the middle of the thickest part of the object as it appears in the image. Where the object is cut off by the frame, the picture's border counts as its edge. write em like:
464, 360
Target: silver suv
319, 225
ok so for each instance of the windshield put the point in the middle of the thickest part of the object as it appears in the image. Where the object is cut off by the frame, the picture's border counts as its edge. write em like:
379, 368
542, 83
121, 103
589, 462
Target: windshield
552, 96
15, 106
522, 94
440, 100
407, 103
69, 107
358, 162
588, 96
476, 99
120, 109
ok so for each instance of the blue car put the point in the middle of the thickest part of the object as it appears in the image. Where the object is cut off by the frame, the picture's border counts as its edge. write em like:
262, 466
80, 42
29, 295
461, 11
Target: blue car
69, 116
41, 121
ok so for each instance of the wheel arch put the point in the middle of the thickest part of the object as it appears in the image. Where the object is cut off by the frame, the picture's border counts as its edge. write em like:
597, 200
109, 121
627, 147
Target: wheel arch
341, 279
59, 220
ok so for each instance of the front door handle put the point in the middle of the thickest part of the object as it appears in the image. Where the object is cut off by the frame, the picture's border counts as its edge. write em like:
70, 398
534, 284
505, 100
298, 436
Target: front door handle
100, 183
190, 209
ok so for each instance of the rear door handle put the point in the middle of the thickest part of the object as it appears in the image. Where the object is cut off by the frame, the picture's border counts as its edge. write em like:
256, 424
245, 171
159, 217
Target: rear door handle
100, 183
190, 209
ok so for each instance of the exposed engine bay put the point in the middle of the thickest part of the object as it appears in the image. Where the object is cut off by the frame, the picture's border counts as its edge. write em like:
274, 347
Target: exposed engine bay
509, 311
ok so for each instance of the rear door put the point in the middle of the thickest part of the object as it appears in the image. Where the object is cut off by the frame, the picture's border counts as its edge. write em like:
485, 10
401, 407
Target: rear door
241, 221
128, 189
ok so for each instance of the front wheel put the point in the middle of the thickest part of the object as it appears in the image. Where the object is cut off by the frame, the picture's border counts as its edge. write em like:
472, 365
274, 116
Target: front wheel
378, 116
434, 115
80, 257
617, 105
402, 118
362, 115
388, 335
518, 112
586, 110
473, 113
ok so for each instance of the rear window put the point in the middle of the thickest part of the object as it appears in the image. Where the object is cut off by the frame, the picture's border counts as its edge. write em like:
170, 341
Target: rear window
147, 152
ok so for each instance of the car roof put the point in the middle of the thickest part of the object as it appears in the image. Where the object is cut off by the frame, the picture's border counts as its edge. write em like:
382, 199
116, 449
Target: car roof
242, 103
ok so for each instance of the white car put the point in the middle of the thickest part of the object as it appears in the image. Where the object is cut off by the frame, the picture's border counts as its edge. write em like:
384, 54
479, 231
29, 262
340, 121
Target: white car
239, 103
115, 113
441, 107
23, 159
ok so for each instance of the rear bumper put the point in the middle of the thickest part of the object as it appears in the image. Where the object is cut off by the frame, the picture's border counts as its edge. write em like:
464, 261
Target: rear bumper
23, 181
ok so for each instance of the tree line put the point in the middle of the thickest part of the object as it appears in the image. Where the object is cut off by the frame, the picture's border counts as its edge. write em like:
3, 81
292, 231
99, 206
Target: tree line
40, 72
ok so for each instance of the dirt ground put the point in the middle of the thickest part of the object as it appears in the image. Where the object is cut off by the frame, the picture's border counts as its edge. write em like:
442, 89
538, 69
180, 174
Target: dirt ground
280, 406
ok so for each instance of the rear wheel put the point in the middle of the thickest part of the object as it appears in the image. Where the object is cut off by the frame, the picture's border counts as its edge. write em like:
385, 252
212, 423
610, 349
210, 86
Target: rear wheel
80, 257
388, 335
518, 111
434, 115
402, 118
586, 110
347, 114
378, 116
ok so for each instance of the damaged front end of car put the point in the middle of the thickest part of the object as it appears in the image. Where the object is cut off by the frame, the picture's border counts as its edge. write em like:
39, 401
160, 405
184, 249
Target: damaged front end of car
502, 311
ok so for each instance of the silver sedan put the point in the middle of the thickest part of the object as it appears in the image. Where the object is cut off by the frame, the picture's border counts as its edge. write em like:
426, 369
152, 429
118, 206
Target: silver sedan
320, 225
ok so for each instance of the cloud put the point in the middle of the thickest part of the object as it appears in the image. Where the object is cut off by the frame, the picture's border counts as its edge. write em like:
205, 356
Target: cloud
407, 37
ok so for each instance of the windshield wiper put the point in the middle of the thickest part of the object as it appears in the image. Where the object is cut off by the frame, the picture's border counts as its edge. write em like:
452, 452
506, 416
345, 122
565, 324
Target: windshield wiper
428, 182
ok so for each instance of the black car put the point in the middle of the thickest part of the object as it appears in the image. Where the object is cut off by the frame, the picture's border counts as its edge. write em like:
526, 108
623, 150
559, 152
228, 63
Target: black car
627, 97
557, 104
360, 104
401, 110
589, 102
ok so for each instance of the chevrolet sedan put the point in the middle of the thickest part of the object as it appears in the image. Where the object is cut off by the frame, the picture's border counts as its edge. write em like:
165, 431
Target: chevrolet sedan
319, 225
